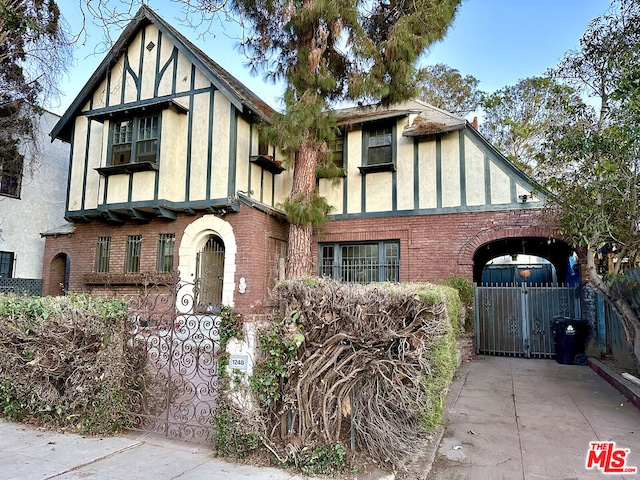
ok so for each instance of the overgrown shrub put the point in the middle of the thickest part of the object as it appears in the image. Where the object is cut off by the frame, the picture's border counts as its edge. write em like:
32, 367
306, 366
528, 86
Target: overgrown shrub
466, 292
378, 359
64, 362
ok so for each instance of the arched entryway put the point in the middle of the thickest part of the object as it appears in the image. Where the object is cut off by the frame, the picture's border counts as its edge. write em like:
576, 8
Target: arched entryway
58, 275
556, 252
516, 300
208, 259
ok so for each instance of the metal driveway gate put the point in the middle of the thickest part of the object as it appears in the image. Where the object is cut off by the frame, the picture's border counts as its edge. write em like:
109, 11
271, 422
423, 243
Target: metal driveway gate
515, 320
176, 338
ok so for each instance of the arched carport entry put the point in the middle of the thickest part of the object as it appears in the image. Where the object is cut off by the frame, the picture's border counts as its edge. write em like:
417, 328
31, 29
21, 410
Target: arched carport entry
554, 250
515, 319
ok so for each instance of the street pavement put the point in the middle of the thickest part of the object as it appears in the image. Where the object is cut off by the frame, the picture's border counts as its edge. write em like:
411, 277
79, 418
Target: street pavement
28, 453
527, 419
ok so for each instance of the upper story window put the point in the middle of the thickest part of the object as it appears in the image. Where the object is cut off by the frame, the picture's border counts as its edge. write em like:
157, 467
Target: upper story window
379, 145
336, 151
11, 177
135, 140
361, 262
378, 152
6, 264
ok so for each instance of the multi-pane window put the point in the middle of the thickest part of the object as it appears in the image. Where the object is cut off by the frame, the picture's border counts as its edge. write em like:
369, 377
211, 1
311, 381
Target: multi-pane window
6, 264
166, 243
102, 254
361, 262
135, 140
336, 151
379, 145
11, 177
132, 257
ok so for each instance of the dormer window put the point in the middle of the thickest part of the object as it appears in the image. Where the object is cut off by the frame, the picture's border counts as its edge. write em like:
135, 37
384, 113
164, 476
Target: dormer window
135, 140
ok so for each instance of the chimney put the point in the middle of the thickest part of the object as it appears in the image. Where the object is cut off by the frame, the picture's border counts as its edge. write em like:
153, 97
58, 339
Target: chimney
475, 123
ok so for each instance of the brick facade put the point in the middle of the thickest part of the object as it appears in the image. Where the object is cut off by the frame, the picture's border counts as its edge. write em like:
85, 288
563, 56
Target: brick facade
433, 247
259, 236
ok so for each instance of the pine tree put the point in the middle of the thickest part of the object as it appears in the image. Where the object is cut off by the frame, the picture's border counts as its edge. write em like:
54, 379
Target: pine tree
328, 51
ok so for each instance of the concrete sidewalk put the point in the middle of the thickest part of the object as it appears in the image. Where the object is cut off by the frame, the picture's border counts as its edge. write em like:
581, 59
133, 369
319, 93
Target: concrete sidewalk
27, 453
512, 418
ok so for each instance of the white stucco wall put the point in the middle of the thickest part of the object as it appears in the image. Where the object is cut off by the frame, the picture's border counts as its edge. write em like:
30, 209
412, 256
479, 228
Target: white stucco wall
41, 205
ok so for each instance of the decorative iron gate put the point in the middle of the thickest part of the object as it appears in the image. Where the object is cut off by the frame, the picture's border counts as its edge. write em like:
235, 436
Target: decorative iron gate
515, 320
178, 344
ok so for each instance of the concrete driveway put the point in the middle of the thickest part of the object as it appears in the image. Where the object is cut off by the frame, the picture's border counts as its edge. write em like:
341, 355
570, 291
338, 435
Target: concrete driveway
512, 418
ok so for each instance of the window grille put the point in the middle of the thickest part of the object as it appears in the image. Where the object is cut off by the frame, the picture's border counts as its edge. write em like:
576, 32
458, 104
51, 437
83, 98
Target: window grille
102, 254
132, 257
166, 244
361, 262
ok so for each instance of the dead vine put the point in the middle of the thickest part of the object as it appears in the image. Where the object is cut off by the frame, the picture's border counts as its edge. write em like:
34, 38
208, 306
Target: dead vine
366, 362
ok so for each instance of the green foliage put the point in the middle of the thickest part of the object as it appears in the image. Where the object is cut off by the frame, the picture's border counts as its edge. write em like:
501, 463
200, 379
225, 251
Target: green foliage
442, 357
230, 327
329, 170
231, 438
466, 293
322, 460
517, 118
306, 210
279, 346
108, 413
444, 87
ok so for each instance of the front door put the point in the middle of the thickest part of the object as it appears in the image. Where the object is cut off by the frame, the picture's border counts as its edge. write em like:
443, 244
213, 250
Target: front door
210, 275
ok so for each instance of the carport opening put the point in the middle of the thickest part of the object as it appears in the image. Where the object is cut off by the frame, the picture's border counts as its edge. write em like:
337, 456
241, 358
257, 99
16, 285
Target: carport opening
519, 268
538, 260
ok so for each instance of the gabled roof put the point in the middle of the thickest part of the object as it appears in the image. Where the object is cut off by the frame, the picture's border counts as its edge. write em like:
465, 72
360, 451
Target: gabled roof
237, 93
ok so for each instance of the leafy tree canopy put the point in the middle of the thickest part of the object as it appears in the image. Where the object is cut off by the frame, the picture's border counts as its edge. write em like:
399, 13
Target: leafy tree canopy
517, 118
595, 159
33, 54
445, 87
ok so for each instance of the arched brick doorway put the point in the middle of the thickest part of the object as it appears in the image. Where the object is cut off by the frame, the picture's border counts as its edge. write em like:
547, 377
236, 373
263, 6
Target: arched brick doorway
555, 251
58, 275
515, 319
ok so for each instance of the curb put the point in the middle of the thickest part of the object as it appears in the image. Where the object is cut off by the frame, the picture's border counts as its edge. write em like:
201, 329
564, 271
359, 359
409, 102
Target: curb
625, 387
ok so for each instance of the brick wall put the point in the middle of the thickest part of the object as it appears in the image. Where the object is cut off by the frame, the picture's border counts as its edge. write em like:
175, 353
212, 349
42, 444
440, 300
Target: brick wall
256, 234
433, 247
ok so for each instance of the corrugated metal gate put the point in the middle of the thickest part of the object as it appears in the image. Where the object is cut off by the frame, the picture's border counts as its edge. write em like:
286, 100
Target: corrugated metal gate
515, 320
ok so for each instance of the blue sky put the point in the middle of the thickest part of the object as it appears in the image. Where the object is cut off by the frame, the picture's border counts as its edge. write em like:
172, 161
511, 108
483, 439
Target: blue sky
497, 41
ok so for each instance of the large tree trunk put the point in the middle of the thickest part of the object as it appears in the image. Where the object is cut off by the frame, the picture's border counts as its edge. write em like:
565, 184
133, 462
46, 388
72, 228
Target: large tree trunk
627, 315
299, 259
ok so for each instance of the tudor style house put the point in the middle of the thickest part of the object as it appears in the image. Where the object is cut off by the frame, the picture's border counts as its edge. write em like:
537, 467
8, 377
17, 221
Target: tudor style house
168, 174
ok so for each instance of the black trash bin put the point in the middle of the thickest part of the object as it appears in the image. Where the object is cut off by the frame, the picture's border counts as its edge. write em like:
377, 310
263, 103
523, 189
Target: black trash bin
570, 337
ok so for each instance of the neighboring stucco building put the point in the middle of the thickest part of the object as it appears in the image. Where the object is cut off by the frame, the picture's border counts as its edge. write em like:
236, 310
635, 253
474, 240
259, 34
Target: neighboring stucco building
32, 201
